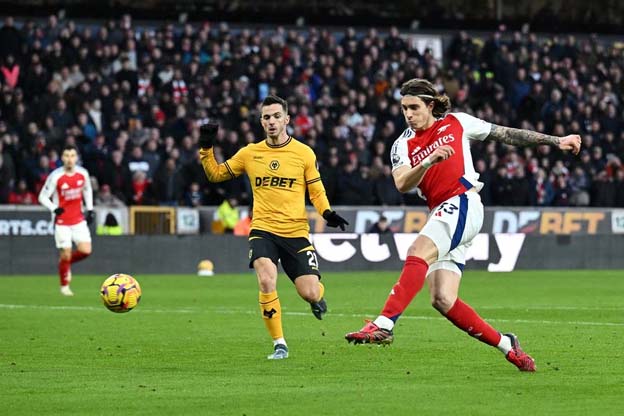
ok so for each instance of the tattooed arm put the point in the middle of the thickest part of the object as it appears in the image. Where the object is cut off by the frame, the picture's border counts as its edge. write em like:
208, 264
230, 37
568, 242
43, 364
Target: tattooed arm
519, 137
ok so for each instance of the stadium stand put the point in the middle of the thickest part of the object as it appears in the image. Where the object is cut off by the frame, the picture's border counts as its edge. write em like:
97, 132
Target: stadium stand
128, 95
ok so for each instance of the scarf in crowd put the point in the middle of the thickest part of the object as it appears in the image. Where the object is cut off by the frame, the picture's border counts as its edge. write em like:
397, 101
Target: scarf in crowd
179, 90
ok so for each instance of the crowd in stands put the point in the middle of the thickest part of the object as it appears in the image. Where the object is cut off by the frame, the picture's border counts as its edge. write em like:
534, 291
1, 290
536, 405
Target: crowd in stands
128, 96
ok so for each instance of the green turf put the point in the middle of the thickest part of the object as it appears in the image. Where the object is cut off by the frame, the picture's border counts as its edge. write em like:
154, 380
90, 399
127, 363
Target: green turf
198, 346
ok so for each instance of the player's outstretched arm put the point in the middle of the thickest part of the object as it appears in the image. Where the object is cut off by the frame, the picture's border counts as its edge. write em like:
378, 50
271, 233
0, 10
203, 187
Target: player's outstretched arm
215, 172
519, 137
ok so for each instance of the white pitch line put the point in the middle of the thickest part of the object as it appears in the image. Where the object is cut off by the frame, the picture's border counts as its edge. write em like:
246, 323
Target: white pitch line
340, 315
556, 308
89, 308
435, 318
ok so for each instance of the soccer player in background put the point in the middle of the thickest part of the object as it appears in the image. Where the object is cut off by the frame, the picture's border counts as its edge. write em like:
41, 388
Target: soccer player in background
280, 169
63, 194
433, 156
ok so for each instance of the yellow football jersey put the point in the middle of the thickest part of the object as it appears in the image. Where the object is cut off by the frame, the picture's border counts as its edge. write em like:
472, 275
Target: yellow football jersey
279, 177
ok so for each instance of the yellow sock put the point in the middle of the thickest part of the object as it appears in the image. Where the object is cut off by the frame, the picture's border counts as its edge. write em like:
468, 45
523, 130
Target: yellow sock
271, 312
321, 290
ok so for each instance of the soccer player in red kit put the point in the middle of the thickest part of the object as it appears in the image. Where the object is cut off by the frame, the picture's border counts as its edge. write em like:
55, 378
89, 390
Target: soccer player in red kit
63, 194
433, 156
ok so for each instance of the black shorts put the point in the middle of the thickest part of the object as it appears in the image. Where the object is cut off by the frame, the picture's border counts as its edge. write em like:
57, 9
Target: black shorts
297, 255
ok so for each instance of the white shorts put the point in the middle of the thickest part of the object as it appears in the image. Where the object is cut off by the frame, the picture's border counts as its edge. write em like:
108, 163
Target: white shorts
451, 226
64, 235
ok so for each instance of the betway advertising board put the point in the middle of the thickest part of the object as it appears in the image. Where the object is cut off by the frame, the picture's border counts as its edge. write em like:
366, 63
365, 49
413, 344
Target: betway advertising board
37, 221
496, 253
497, 220
26, 222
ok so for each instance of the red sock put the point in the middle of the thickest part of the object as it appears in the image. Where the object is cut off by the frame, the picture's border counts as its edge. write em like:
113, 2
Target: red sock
78, 255
411, 281
63, 268
466, 319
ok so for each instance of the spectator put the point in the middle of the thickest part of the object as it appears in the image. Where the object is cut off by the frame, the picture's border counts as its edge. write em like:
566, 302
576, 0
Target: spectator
354, 189
579, 186
330, 172
6, 180
137, 162
10, 71
10, 38
193, 197
542, 189
502, 188
603, 190
152, 157
563, 192
168, 184
385, 190
22, 195
105, 198
118, 176
110, 226
228, 214
380, 227
521, 195
41, 172
141, 193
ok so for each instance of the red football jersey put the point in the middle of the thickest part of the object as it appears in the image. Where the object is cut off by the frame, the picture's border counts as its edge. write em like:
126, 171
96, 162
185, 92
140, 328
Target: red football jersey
67, 191
456, 174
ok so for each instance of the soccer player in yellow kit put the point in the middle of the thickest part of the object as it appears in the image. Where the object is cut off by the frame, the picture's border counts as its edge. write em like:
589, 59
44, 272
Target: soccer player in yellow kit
280, 170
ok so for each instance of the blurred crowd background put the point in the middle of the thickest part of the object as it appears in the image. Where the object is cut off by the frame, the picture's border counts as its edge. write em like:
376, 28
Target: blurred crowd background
129, 94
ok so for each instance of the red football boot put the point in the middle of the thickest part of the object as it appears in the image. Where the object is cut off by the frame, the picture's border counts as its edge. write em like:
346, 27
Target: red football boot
517, 357
370, 334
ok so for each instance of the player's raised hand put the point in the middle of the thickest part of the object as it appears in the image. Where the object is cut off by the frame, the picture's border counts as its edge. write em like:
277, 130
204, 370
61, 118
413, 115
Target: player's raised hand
571, 142
207, 133
440, 154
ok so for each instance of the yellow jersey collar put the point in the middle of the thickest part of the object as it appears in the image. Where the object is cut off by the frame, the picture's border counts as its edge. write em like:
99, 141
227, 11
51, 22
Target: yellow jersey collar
274, 146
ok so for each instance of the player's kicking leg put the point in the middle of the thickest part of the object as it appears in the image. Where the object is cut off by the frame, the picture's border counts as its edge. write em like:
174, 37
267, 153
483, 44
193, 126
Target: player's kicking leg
420, 254
444, 287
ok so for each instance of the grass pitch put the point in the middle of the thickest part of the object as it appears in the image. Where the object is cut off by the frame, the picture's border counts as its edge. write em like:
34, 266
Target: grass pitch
198, 346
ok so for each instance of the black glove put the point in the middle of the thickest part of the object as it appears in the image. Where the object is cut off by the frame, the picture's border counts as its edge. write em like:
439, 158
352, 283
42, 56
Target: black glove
59, 211
90, 216
207, 134
334, 220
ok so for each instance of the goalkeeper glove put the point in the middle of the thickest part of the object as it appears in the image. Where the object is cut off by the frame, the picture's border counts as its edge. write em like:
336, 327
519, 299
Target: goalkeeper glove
334, 220
207, 134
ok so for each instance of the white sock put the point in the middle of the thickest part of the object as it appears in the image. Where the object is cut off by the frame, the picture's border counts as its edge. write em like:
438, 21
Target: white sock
279, 341
384, 323
504, 345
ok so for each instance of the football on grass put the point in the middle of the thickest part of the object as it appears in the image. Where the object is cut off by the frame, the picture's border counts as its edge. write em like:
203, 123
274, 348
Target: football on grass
120, 293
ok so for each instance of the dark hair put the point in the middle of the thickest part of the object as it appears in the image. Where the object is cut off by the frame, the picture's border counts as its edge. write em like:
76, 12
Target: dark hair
274, 99
425, 90
69, 147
